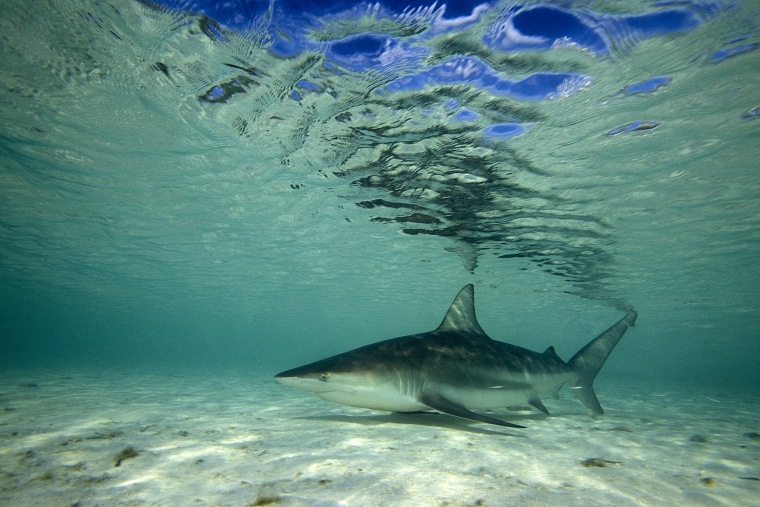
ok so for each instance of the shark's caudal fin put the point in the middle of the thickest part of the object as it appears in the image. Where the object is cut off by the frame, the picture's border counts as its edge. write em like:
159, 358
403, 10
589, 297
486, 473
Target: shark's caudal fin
589, 360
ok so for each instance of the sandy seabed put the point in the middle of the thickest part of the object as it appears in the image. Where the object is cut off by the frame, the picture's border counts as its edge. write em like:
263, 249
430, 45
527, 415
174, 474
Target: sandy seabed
84, 439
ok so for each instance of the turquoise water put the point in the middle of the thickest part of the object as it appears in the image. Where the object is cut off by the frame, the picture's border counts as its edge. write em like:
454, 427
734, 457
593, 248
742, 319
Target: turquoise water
177, 193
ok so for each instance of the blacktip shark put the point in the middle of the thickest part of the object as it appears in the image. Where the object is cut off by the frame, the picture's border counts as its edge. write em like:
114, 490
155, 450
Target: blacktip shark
454, 369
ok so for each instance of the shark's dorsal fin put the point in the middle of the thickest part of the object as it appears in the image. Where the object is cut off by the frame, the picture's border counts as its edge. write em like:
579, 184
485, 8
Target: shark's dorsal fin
461, 315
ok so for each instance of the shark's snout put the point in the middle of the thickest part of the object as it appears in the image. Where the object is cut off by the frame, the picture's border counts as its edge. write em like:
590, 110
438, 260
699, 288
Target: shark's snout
288, 380
303, 382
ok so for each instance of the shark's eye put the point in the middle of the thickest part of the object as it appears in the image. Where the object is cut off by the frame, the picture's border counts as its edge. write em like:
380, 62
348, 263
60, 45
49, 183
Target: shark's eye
324, 376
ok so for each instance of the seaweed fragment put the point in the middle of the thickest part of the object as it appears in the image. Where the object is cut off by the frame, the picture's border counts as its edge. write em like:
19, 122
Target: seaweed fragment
266, 499
598, 462
126, 453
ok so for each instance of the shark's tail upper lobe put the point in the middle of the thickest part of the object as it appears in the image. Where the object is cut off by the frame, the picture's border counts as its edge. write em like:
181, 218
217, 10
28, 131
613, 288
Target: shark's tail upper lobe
589, 360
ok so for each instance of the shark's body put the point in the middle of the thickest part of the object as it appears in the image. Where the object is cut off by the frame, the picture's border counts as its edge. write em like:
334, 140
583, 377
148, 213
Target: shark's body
454, 369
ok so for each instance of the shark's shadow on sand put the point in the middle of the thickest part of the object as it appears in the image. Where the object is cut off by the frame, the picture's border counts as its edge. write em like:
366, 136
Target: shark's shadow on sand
428, 419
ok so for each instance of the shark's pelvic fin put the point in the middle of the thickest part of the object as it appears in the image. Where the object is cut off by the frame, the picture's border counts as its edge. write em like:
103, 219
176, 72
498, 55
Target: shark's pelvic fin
589, 360
460, 317
536, 402
440, 403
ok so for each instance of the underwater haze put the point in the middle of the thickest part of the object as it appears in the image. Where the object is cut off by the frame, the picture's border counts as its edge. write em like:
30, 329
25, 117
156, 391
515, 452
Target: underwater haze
240, 188
248, 186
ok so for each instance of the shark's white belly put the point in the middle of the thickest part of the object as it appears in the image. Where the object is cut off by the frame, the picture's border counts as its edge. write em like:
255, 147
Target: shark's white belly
404, 396
377, 399
487, 398
498, 396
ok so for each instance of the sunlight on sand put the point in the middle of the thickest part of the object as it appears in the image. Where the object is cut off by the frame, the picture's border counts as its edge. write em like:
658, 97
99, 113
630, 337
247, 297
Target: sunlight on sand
160, 440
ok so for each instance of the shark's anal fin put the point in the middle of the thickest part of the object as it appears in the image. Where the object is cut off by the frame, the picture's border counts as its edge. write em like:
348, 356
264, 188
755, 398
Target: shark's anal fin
442, 404
536, 402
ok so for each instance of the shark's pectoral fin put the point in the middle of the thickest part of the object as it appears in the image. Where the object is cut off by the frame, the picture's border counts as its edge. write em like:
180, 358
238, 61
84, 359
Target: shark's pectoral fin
442, 404
536, 402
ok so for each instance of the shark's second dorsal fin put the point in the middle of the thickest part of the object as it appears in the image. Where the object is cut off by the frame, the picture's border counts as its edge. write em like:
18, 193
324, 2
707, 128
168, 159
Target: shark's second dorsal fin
461, 315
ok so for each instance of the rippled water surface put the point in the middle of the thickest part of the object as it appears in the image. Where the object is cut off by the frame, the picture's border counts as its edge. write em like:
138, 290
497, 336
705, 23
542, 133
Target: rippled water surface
254, 185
